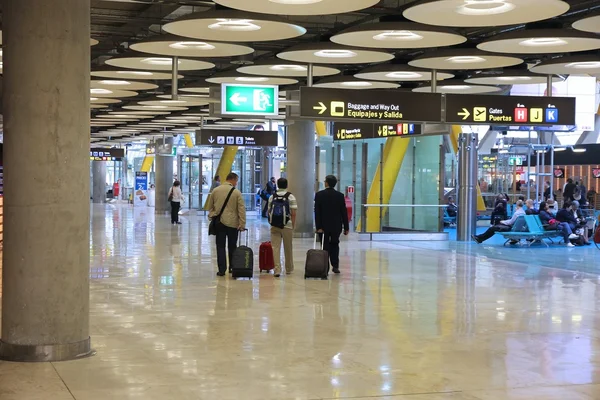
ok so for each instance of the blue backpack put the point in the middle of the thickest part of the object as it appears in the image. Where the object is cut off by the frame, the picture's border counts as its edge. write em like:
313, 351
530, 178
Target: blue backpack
279, 212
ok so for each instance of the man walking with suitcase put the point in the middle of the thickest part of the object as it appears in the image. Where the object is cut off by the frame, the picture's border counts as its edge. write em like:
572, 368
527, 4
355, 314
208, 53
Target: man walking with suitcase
282, 217
227, 204
331, 218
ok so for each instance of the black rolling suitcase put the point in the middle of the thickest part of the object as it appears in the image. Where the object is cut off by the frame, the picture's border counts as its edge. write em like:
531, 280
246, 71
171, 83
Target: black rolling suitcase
242, 264
317, 262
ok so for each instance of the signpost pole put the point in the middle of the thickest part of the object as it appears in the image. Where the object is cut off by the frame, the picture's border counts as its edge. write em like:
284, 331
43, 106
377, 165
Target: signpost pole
174, 82
549, 86
310, 72
467, 192
354, 154
339, 165
381, 148
363, 186
434, 81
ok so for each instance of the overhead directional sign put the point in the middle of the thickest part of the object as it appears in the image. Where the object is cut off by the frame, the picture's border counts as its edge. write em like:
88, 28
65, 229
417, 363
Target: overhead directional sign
370, 105
249, 99
360, 131
102, 154
509, 110
223, 137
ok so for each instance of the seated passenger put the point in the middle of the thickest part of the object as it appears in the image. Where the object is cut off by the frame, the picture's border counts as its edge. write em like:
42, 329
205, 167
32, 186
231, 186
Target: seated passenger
500, 210
571, 214
550, 223
503, 226
530, 208
552, 206
452, 208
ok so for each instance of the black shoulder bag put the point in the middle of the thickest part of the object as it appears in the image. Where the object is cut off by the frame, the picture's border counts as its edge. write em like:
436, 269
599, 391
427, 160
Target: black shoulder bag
216, 220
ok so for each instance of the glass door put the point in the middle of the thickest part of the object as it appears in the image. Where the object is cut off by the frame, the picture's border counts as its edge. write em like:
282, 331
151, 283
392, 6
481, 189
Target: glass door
191, 180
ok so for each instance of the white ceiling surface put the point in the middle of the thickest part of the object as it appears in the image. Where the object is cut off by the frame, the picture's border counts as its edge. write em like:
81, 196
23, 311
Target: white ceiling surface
158, 63
482, 13
190, 48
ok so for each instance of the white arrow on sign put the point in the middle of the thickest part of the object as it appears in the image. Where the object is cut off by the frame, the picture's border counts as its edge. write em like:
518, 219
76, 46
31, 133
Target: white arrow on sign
211, 140
237, 99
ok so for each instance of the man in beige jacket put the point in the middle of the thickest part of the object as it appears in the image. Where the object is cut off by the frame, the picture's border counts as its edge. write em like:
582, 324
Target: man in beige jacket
233, 218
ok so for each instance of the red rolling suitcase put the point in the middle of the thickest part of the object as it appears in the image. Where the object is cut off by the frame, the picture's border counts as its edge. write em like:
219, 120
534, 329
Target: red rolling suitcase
266, 261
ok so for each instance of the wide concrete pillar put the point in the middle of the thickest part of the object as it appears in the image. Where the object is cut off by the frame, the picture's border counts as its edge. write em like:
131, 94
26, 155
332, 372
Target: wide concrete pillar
45, 299
301, 173
98, 182
163, 169
467, 186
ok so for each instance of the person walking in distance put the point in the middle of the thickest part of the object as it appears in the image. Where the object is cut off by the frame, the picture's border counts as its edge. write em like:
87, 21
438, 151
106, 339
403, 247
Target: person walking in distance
227, 203
331, 219
176, 198
282, 217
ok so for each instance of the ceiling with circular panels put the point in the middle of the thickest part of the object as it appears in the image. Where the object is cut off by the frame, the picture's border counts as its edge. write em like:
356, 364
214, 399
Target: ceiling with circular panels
111, 84
233, 26
278, 67
589, 24
463, 59
171, 45
250, 79
484, 13
541, 41
576, 65
298, 7
400, 73
119, 74
458, 86
333, 53
398, 35
157, 63
350, 82
510, 77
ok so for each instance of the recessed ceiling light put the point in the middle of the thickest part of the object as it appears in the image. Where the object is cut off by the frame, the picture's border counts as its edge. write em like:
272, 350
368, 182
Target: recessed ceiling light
159, 61
100, 91
559, 149
232, 24
485, 7
397, 36
288, 68
584, 65
466, 59
251, 79
93, 98
539, 42
514, 78
192, 46
404, 75
335, 54
579, 150
455, 87
114, 82
173, 101
356, 83
295, 2
140, 73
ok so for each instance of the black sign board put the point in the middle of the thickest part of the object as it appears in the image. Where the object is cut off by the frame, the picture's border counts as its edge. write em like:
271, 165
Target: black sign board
360, 131
221, 137
369, 105
509, 110
106, 154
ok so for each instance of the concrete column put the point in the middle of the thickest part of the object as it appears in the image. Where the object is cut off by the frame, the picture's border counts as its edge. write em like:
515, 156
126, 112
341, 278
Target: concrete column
45, 299
163, 168
467, 186
98, 182
301, 173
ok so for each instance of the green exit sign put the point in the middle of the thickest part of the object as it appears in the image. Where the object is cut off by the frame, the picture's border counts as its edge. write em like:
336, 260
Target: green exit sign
249, 99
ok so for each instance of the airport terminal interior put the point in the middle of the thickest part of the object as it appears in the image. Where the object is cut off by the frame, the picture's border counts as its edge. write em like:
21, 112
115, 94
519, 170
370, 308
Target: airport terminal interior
452, 145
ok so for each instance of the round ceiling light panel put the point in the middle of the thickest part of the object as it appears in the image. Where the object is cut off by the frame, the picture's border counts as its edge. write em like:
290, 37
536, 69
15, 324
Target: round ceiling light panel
250, 79
276, 67
111, 84
510, 78
139, 112
101, 92
180, 102
463, 59
192, 100
157, 63
589, 24
333, 53
120, 74
93, 42
400, 73
484, 13
458, 86
123, 117
97, 106
350, 82
199, 89
398, 35
103, 100
299, 7
571, 65
233, 26
171, 45
541, 41
154, 108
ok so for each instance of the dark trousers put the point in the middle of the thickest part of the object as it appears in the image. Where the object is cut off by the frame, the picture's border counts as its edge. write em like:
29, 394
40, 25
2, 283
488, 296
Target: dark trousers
175, 206
229, 236
492, 230
331, 243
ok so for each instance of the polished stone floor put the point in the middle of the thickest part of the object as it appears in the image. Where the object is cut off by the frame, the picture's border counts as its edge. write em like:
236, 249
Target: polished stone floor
404, 321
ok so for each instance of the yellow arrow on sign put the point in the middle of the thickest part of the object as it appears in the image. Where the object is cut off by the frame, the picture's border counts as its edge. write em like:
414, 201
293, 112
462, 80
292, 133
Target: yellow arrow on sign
321, 107
465, 114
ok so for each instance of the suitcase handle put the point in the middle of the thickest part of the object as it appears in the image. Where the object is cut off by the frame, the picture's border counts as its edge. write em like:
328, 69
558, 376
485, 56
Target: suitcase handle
240, 236
317, 234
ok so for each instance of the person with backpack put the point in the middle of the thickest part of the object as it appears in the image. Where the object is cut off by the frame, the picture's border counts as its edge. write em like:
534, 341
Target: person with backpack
282, 208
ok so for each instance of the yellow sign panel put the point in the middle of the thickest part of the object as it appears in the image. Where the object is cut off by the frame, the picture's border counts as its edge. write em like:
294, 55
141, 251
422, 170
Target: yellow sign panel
536, 115
480, 114
338, 109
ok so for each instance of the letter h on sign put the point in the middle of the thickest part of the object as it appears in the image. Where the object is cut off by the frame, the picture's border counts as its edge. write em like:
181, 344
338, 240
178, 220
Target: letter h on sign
520, 114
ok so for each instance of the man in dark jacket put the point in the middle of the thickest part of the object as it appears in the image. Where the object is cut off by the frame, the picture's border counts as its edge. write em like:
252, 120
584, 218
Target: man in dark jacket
331, 217
569, 191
